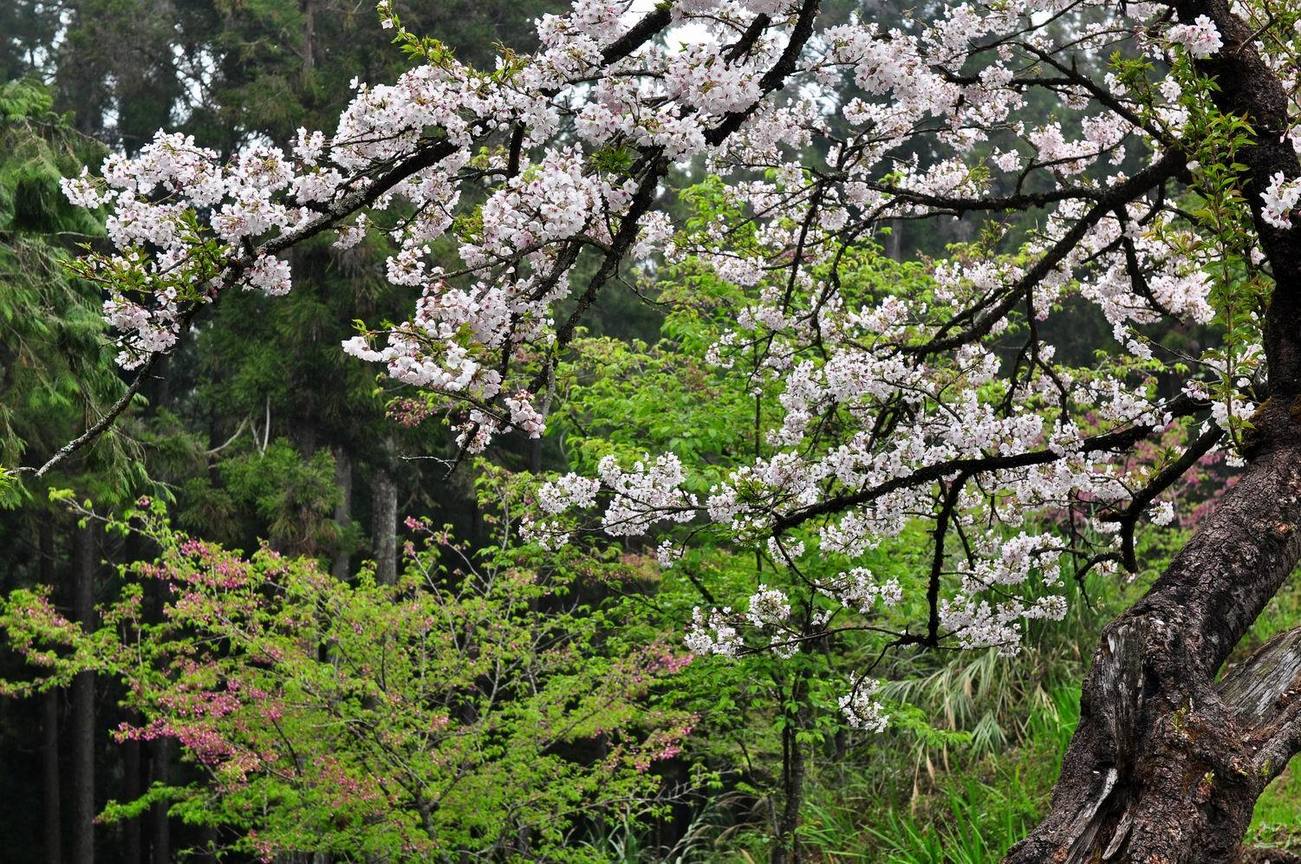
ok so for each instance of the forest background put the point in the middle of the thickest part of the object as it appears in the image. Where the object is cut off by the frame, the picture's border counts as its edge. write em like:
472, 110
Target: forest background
603, 740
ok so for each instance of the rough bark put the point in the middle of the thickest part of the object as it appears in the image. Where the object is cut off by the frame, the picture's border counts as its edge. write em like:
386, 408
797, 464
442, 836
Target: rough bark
85, 559
1167, 763
384, 516
1247, 88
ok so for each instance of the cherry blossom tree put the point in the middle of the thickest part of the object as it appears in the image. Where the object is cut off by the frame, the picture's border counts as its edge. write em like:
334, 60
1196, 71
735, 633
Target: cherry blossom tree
1161, 192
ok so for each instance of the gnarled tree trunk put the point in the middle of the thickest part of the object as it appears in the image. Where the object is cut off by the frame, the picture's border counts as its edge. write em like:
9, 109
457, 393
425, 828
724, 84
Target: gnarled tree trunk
1167, 763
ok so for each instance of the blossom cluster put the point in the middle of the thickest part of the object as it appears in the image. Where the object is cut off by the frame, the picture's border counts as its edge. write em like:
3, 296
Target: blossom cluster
893, 404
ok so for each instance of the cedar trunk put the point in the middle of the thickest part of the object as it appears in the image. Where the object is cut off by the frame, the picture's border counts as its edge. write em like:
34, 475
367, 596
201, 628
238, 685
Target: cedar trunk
160, 764
130, 792
83, 702
160, 840
340, 565
384, 516
52, 818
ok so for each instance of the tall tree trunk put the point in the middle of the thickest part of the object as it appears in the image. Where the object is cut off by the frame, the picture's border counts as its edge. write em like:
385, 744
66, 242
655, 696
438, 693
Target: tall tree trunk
384, 515
339, 567
131, 791
160, 760
134, 757
160, 772
52, 816
85, 559
308, 8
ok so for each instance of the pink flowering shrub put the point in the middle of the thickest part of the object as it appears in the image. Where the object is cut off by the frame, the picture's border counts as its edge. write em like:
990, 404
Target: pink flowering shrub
482, 703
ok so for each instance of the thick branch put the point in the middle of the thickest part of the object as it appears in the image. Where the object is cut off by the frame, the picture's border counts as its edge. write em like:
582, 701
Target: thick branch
1122, 193
774, 78
1120, 439
426, 155
641, 33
